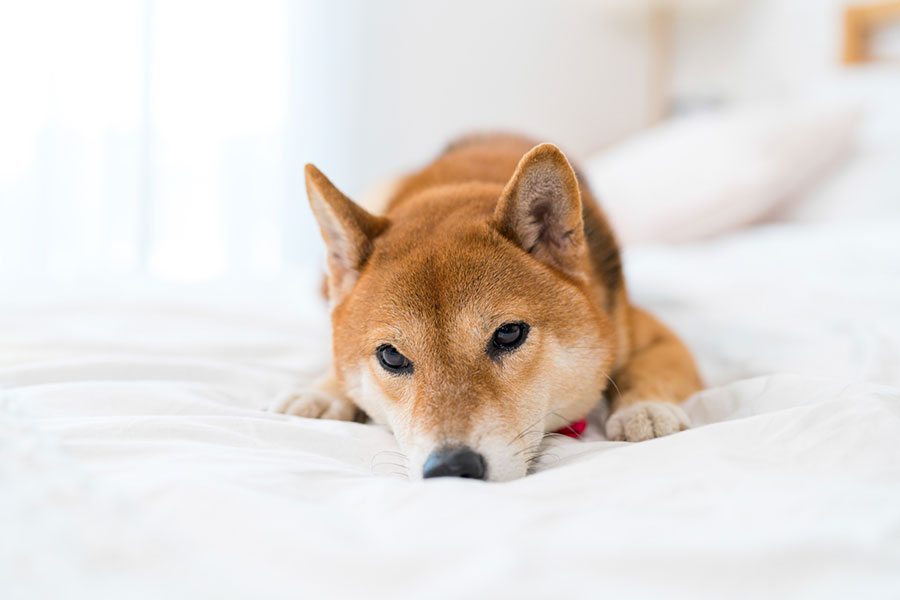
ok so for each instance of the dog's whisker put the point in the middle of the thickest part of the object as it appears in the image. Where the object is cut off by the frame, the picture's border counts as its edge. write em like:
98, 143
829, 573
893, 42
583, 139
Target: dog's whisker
389, 456
392, 453
556, 414
531, 426
534, 432
540, 460
530, 452
381, 464
565, 423
525, 431
618, 391
543, 454
377, 466
526, 450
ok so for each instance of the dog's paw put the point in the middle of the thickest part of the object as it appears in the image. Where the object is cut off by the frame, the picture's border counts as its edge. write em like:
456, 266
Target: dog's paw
645, 421
314, 404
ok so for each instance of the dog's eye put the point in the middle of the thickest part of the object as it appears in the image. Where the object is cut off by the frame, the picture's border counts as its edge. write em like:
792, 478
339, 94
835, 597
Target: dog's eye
508, 337
392, 361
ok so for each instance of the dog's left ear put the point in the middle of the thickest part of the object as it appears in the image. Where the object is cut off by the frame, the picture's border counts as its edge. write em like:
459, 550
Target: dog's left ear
540, 210
348, 229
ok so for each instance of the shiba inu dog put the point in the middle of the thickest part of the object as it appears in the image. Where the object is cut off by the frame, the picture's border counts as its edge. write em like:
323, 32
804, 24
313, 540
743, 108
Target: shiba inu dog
484, 307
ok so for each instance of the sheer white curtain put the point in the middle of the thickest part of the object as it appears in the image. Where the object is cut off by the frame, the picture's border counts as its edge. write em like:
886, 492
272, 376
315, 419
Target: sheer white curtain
143, 135
167, 137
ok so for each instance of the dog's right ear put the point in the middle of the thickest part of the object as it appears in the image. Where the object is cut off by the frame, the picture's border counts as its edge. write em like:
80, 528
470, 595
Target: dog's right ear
348, 230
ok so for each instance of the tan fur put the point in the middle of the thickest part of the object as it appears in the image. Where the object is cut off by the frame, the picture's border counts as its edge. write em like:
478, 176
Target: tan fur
494, 231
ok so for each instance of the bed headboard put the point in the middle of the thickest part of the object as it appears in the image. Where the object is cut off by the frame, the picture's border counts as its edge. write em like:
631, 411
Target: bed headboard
860, 22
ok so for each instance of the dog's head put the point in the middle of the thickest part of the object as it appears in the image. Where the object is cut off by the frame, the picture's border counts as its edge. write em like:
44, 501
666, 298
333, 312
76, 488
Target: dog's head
468, 322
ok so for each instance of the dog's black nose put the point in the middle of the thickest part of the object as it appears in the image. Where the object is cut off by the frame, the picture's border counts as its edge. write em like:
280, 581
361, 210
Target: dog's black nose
454, 462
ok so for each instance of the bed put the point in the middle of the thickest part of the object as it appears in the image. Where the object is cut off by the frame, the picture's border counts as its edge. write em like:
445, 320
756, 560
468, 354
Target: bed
137, 459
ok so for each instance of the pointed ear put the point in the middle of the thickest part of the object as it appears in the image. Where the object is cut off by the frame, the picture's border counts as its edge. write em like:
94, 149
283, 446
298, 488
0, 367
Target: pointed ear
540, 210
348, 230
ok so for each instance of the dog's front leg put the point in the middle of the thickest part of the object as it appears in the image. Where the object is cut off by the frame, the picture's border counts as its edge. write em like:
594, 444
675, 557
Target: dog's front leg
323, 400
658, 374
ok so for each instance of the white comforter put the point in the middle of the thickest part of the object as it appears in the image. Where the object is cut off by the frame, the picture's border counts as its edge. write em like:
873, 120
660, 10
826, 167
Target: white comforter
136, 460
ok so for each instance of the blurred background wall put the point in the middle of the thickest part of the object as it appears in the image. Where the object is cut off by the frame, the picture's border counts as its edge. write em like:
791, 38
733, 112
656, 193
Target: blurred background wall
170, 135
167, 137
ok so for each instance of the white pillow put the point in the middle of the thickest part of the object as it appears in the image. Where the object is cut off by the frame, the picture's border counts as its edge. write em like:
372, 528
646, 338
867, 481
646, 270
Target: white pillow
705, 174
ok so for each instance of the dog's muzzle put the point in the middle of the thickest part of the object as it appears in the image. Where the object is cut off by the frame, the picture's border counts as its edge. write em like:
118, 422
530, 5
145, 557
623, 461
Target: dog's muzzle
455, 462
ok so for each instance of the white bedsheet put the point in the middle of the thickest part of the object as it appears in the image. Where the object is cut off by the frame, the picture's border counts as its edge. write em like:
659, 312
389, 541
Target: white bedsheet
136, 462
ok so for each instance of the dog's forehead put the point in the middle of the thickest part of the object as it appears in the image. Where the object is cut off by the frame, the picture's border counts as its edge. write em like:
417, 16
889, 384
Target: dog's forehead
452, 289
444, 286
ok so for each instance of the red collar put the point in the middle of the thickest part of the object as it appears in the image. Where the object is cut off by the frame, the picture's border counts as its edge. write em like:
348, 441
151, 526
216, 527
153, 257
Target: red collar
573, 430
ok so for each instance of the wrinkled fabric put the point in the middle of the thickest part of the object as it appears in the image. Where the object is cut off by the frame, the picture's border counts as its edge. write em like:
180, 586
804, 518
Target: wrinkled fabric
136, 459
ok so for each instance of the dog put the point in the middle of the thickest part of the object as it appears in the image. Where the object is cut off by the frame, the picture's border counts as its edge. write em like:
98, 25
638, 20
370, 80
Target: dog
485, 307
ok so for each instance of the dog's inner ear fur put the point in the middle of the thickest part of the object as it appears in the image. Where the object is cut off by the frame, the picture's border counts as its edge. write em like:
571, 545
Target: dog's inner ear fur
540, 210
348, 230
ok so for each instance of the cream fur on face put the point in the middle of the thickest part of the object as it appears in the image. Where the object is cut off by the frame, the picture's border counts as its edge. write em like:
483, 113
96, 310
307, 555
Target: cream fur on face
508, 441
